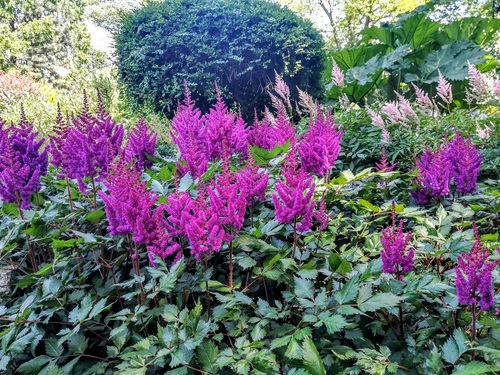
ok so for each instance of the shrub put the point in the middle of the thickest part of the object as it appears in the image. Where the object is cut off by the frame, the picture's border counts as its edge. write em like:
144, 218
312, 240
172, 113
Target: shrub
238, 44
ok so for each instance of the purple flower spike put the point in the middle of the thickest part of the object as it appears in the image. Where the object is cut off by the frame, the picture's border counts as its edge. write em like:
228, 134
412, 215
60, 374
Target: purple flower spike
293, 201
384, 166
260, 134
253, 181
21, 163
473, 272
465, 164
320, 145
396, 259
141, 143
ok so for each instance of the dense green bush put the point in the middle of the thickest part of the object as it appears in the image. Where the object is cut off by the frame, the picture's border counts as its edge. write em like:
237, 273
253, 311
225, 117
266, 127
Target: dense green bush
238, 44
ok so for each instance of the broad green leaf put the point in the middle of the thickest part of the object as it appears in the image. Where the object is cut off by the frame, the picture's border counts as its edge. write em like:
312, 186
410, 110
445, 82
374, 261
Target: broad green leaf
304, 288
294, 350
52, 348
348, 292
474, 368
207, 354
380, 301
333, 323
77, 344
368, 205
312, 360
34, 365
95, 216
263, 156
450, 351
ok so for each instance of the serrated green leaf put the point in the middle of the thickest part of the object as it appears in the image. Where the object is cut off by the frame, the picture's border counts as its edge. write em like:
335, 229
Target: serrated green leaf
294, 350
450, 351
263, 156
303, 288
368, 205
52, 348
280, 341
34, 365
207, 354
380, 301
95, 216
474, 368
333, 323
77, 344
312, 360
348, 292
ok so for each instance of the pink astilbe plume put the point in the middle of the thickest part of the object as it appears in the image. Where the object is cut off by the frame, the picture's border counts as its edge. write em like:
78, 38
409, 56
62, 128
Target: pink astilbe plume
444, 90
293, 199
406, 110
282, 130
474, 280
384, 166
21, 162
188, 135
320, 145
141, 144
260, 134
378, 122
337, 75
253, 181
478, 84
228, 197
496, 88
320, 214
282, 91
434, 173
465, 163
202, 226
223, 127
307, 102
396, 258
426, 105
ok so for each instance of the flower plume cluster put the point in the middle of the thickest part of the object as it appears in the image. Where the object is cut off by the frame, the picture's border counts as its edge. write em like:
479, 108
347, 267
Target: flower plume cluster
474, 282
141, 143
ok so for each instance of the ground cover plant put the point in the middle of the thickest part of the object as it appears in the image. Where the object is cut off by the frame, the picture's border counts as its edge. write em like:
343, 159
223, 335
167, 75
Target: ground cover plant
280, 248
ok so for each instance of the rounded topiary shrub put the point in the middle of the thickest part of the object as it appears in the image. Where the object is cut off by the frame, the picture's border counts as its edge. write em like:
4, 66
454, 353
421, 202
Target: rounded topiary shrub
237, 43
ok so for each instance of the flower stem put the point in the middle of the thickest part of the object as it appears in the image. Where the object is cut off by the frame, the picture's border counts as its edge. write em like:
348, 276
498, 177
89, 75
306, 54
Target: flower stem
473, 333
294, 237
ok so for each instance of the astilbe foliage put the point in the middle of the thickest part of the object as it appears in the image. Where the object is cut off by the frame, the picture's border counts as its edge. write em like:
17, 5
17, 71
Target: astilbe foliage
433, 175
473, 275
141, 144
465, 163
396, 257
320, 145
21, 162
293, 199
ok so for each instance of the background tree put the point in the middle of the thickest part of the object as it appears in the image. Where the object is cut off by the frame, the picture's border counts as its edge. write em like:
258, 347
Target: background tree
46, 38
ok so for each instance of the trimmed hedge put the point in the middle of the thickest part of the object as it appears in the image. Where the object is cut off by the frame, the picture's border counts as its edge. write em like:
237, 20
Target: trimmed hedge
238, 44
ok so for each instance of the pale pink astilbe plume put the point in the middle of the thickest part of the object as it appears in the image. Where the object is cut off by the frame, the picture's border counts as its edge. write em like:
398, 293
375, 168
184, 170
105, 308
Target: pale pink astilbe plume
478, 84
228, 197
483, 133
406, 110
426, 105
253, 180
282, 93
444, 90
378, 122
496, 88
223, 127
337, 75
307, 102
141, 144
391, 110
260, 134
202, 226
282, 130
293, 199
320, 145
384, 166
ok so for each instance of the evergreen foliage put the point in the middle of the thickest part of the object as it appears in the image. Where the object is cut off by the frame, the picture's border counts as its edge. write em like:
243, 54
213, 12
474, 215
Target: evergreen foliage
238, 44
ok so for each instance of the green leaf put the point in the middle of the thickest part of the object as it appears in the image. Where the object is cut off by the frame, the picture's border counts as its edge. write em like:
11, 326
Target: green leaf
348, 292
474, 368
312, 360
294, 350
263, 156
186, 182
207, 354
368, 205
52, 348
77, 344
63, 244
450, 351
380, 301
98, 308
333, 323
304, 288
33, 366
178, 358
94, 216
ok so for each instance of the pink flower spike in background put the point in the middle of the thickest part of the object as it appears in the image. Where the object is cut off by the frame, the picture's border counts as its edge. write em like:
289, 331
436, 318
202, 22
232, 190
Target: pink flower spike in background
141, 144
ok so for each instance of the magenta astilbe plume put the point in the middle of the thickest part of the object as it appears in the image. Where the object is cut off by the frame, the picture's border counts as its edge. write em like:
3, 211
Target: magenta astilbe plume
253, 181
223, 127
320, 145
161, 243
396, 258
321, 216
21, 163
474, 281
141, 144
203, 227
433, 178
282, 130
465, 163
260, 134
228, 198
293, 201
384, 166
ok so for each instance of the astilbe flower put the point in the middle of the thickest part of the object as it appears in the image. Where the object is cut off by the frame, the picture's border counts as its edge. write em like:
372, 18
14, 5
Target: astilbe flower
433, 178
337, 75
282, 130
187, 134
496, 88
465, 163
384, 166
307, 102
483, 133
293, 201
320, 145
426, 105
21, 162
474, 281
444, 90
253, 181
223, 127
141, 144
378, 122
202, 226
228, 197
320, 214
478, 83
396, 257
260, 134
282, 93
391, 110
